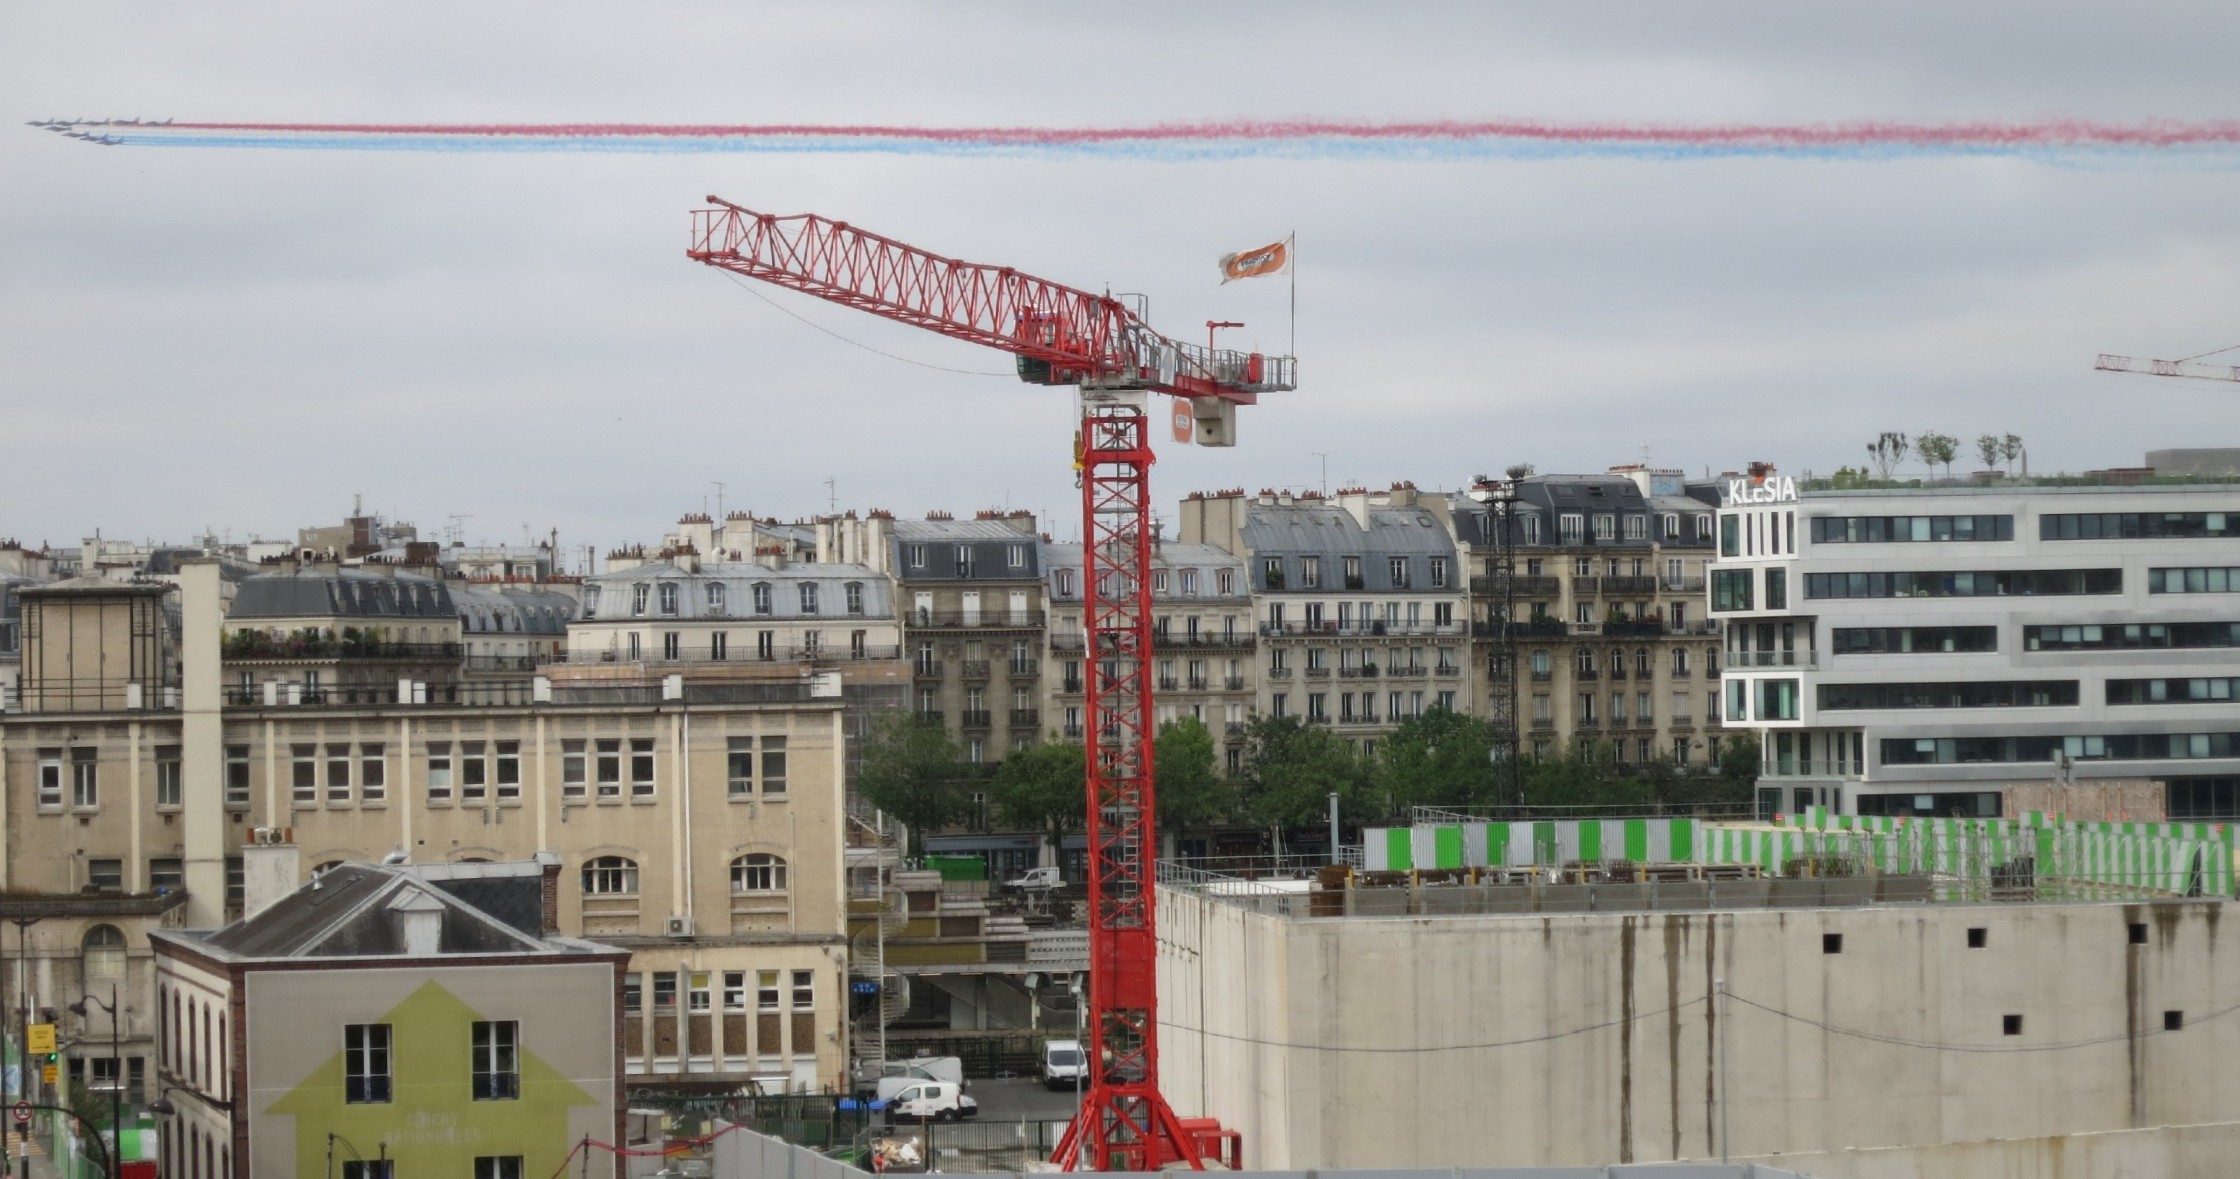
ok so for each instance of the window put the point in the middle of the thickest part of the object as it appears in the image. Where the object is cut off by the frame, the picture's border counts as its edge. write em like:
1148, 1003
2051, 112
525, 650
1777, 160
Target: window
914, 555
85, 777
591, 601
641, 767
365, 1063
373, 772
1571, 528
497, 1166
497, 1067
2204, 580
854, 594
1224, 582
573, 767
1908, 529
104, 951
1831, 943
1731, 589
50, 777
758, 872
672, 645
1310, 572
1990, 583
237, 776
509, 769
366, 1169
1777, 589
964, 560
808, 594
669, 597
608, 876
166, 872
168, 792
338, 773
665, 992
804, 990
2129, 637
439, 771
773, 766
2010, 1025
1777, 699
766, 990
237, 881
1399, 570
1271, 572
716, 605
1730, 534
2137, 525
639, 593
1979, 936
105, 875
1914, 640
304, 774
1438, 573
740, 759
765, 645
2173, 1021
1605, 526
696, 991
474, 772
760, 591
1065, 583
1959, 694
1015, 556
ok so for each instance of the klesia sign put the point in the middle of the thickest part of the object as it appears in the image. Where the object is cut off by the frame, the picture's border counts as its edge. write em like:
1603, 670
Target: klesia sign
1773, 489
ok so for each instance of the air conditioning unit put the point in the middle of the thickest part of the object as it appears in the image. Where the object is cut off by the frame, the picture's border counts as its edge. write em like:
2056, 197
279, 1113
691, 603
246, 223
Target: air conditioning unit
679, 927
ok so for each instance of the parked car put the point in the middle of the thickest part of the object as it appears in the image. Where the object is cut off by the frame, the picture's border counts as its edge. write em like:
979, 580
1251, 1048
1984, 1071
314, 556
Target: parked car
1063, 1065
940, 1101
1036, 880
885, 1078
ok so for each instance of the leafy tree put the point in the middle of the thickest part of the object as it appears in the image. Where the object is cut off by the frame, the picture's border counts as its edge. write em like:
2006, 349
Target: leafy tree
1582, 775
1192, 794
1440, 758
1987, 450
1887, 451
1291, 769
1043, 786
911, 770
1739, 755
2010, 449
1937, 450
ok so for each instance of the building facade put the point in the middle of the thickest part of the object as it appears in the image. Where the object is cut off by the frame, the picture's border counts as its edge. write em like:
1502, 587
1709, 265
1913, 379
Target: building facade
374, 1019
1952, 649
973, 626
699, 828
1361, 603
1611, 640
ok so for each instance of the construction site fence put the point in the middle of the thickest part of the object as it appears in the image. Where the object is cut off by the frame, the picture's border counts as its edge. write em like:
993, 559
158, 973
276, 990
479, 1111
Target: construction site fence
985, 1055
1729, 811
2076, 860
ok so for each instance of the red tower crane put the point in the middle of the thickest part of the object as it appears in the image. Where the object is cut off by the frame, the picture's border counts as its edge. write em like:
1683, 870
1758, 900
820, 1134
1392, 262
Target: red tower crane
2111, 363
1061, 336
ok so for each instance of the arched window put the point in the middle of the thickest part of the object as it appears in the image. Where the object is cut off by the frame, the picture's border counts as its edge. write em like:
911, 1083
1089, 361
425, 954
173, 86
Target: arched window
758, 872
104, 952
715, 598
610, 876
1586, 661
1641, 665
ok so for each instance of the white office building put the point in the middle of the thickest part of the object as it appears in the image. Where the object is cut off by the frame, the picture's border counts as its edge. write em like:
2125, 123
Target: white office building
1931, 650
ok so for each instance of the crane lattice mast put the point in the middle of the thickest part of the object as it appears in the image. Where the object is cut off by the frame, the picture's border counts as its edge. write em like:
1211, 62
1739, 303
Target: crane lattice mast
1061, 336
2109, 362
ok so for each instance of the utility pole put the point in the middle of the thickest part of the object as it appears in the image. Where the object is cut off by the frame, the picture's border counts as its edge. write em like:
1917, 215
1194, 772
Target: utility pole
1324, 455
719, 497
1721, 984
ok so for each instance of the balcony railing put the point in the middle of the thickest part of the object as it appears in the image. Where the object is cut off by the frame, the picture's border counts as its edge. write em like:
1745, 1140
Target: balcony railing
1318, 673
1200, 642
1807, 659
1587, 673
1683, 585
1233, 683
1585, 587
1409, 672
1197, 683
1634, 628
1025, 669
1279, 673
1306, 630
1071, 685
927, 669
1069, 641
1167, 683
1367, 671
1549, 628
1449, 670
1635, 584
1527, 585
250, 645
1072, 732
1025, 717
947, 619
973, 669
708, 653
976, 718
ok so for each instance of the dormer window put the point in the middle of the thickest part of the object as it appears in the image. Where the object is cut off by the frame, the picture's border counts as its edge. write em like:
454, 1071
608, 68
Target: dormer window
715, 598
668, 597
590, 601
639, 595
855, 597
808, 597
762, 597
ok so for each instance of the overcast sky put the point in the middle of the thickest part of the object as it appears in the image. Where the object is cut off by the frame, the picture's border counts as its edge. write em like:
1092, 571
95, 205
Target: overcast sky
244, 339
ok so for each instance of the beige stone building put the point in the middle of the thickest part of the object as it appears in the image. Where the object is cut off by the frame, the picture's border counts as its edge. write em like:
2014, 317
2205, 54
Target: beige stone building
702, 830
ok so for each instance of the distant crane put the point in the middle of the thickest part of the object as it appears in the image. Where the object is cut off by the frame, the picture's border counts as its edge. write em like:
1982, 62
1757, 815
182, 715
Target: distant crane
1100, 345
2111, 363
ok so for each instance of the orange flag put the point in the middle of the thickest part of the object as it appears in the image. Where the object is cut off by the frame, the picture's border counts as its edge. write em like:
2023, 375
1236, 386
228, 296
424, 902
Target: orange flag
1267, 260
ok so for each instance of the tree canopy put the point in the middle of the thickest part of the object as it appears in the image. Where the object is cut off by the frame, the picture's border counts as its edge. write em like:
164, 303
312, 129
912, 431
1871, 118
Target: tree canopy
911, 770
1043, 787
1192, 793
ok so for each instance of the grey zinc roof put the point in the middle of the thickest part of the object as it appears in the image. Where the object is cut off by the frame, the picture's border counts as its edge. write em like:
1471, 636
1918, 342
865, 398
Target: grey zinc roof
1330, 533
346, 912
311, 593
1203, 557
523, 611
990, 543
608, 596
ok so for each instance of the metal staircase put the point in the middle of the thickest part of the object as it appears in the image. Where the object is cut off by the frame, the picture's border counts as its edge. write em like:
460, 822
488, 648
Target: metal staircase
875, 844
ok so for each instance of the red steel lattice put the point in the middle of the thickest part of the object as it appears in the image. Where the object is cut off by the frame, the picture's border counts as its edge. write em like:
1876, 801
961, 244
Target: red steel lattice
1063, 336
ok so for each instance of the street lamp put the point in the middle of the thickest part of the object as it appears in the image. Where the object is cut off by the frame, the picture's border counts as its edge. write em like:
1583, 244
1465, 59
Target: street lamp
116, 1073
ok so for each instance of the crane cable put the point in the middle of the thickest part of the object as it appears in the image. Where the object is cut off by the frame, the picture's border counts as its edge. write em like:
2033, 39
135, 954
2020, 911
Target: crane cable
741, 284
2212, 352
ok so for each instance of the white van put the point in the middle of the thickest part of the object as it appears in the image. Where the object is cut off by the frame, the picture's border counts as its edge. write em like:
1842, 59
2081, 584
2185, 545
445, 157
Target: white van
1063, 1065
942, 1101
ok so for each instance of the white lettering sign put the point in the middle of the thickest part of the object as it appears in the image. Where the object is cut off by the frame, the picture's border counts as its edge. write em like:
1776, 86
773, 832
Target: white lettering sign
1776, 489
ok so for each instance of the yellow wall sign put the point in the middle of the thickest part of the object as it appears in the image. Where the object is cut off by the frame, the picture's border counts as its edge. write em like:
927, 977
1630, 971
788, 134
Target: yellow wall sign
47, 1074
39, 1038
